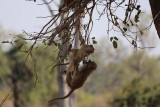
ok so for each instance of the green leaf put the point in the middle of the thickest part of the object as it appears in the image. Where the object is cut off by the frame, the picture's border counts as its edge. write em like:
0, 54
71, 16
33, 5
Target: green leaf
111, 38
93, 37
136, 18
138, 7
115, 38
115, 45
133, 42
94, 42
125, 29
138, 13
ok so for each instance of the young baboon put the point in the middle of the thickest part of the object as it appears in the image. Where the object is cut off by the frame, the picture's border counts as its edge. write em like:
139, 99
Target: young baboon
80, 76
78, 55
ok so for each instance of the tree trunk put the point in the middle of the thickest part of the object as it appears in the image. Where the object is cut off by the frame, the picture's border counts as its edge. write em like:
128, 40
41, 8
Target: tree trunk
63, 88
15, 94
155, 8
21, 83
60, 80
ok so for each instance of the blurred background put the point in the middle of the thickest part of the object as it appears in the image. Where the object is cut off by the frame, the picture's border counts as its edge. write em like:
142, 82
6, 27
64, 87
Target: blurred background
124, 78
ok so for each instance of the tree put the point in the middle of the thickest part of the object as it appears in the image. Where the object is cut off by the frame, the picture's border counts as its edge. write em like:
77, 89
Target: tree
156, 14
21, 79
126, 25
85, 9
28, 83
69, 27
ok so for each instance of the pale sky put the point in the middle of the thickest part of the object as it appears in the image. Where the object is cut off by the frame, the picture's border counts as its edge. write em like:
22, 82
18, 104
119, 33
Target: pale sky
18, 15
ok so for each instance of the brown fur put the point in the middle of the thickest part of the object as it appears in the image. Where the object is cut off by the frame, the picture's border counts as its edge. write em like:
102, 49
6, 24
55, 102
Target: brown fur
79, 77
78, 55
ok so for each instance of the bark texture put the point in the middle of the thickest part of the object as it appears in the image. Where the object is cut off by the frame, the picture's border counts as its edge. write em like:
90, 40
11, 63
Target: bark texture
155, 8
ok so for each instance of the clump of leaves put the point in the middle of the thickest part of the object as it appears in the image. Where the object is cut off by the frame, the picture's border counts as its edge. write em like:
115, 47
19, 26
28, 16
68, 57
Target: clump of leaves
114, 41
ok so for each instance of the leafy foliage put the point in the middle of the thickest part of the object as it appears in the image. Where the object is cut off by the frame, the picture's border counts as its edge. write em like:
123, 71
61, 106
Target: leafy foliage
35, 87
138, 93
131, 81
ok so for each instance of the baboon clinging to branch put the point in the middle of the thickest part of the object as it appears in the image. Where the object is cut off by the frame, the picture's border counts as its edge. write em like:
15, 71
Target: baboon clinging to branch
80, 76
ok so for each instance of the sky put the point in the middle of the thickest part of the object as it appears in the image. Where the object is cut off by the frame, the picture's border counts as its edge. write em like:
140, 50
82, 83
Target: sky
19, 15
